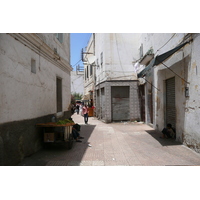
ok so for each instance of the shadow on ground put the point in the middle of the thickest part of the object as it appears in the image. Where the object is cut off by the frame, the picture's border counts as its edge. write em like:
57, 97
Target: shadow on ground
163, 141
58, 154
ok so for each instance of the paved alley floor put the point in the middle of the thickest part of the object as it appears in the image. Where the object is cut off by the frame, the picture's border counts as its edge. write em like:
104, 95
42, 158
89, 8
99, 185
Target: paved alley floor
116, 144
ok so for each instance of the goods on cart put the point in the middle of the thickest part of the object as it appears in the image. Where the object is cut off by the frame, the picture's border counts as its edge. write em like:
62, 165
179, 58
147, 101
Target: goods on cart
65, 121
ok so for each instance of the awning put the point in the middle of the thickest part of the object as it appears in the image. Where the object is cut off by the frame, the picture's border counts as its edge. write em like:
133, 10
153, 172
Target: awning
86, 97
159, 59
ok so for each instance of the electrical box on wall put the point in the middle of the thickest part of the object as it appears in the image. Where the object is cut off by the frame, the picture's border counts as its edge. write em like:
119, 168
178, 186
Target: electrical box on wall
187, 92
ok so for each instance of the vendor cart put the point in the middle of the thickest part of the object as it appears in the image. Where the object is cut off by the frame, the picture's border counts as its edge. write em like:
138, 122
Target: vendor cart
57, 133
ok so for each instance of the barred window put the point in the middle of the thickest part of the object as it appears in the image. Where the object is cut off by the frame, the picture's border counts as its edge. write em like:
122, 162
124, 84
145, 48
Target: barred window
59, 36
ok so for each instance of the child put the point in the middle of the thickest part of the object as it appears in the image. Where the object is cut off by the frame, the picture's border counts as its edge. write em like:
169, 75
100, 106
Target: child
168, 132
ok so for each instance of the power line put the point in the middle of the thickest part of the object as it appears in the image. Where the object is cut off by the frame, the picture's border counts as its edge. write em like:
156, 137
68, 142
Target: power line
151, 84
119, 54
175, 73
165, 43
85, 39
76, 63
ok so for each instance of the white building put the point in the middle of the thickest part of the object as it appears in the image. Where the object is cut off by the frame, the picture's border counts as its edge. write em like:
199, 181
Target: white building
115, 82
77, 82
88, 58
34, 85
172, 84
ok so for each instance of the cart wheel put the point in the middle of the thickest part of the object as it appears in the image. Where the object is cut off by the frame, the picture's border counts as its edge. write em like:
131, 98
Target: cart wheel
70, 141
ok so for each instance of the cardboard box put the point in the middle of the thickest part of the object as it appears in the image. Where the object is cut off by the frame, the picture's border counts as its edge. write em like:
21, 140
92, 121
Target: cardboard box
49, 137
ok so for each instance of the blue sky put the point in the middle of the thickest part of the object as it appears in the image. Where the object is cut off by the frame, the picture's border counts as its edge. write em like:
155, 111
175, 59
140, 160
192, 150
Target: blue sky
77, 42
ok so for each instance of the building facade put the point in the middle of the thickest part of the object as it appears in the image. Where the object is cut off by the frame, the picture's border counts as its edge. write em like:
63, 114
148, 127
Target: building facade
35, 85
88, 59
171, 84
116, 91
77, 81
150, 77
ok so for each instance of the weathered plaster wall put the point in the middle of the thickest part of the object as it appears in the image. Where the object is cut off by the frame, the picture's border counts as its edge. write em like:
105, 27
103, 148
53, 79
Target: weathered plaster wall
28, 98
185, 63
26, 95
61, 47
119, 51
191, 133
179, 67
161, 43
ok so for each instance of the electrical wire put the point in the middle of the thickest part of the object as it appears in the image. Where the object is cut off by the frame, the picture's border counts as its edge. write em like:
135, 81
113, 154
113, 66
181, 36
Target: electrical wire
87, 37
175, 73
37, 49
165, 43
76, 63
151, 84
119, 54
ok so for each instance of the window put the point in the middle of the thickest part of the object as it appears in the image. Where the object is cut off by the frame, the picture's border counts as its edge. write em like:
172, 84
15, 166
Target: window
141, 51
87, 72
33, 66
59, 94
102, 91
91, 70
101, 59
59, 36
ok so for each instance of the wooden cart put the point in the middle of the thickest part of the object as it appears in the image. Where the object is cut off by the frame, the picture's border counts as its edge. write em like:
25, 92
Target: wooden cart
54, 133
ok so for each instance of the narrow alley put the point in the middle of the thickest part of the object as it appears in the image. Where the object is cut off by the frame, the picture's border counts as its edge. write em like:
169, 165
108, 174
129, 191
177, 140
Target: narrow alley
116, 144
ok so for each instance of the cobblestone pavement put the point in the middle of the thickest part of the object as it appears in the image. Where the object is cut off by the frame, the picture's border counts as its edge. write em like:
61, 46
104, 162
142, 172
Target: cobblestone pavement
116, 144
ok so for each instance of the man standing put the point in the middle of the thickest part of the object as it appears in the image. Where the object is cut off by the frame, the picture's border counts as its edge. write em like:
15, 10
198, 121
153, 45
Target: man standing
85, 113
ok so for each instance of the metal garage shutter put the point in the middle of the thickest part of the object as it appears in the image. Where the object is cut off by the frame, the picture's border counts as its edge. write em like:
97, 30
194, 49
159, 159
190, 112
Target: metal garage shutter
170, 102
120, 103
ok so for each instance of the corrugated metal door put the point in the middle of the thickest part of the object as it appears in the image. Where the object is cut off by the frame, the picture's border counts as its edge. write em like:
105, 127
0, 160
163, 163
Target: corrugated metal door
142, 102
170, 102
150, 106
120, 103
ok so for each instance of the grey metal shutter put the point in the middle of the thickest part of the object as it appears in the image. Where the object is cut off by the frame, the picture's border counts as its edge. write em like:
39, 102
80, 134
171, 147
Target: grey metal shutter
120, 103
170, 102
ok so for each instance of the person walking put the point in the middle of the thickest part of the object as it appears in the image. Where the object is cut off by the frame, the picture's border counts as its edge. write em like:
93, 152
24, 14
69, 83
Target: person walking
77, 109
85, 113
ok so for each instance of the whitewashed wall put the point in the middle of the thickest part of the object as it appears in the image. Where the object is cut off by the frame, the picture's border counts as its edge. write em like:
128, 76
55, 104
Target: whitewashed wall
192, 107
25, 95
185, 63
89, 81
119, 52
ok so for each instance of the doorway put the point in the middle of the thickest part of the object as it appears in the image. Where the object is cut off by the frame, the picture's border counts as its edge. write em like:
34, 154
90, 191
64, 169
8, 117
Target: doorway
59, 94
170, 102
142, 102
120, 103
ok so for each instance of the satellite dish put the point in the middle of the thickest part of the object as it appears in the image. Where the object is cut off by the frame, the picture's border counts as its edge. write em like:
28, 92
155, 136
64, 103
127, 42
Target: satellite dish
91, 59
